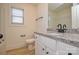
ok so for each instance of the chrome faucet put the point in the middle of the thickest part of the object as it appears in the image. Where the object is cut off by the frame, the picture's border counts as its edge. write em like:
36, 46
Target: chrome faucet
61, 28
64, 26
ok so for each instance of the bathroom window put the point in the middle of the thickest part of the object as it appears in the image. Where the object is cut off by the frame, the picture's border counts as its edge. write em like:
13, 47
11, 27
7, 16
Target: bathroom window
17, 16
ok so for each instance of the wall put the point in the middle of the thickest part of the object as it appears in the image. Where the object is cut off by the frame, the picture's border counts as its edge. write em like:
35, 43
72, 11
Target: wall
31, 12
13, 32
61, 16
64, 17
52, 20
2, 30
42, 24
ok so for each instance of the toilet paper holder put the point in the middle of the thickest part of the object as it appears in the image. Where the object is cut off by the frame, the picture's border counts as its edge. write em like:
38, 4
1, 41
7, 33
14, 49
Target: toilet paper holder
23, 35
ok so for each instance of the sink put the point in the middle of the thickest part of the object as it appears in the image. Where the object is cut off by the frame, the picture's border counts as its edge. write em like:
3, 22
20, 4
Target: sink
55, 34
59, 35
67, 36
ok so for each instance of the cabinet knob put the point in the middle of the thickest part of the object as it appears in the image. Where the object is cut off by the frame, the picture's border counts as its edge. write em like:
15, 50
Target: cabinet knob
43, 49
69, 53
47, 52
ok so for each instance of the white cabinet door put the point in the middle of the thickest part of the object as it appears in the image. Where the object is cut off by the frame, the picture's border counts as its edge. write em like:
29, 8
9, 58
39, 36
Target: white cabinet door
51, 43
65, 49
43, 50
39, 46
62, 46
39, 49
42, 39
72, 50
50, 51
45, 46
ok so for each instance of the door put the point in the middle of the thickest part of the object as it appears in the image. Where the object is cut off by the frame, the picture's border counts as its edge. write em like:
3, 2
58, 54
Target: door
2, 28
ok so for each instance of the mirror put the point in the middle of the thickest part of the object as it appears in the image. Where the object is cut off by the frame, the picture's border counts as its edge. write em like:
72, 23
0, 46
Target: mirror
59, 13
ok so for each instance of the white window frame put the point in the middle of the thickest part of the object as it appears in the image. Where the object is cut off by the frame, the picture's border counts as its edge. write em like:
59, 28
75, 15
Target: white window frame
17, 16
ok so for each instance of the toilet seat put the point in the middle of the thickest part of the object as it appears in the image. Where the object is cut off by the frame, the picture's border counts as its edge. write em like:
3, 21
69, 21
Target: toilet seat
30, 41
30, 44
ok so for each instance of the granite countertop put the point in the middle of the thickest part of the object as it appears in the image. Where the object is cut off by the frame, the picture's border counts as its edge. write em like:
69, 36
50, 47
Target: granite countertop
68, 38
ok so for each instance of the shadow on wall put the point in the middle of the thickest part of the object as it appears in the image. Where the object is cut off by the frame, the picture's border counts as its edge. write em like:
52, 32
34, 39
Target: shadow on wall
30, 36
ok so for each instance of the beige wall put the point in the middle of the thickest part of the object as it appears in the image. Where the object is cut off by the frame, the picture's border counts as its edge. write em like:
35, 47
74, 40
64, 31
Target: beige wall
42, 24
13, 32
64, 17
52, 21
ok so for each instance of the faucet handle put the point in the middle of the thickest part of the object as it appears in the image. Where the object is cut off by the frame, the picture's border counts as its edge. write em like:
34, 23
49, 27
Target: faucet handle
64, 26
59, 26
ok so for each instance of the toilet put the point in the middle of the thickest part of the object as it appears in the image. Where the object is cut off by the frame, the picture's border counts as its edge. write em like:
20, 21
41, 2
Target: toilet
30, 43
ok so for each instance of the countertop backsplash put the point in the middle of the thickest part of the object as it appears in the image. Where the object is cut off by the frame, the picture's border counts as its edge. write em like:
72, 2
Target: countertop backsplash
73, 31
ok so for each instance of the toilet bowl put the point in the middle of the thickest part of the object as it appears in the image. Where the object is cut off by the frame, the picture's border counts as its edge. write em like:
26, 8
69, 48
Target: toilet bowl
30, 43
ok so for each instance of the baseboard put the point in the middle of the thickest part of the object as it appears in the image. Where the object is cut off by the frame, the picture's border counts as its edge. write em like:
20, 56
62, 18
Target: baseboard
15, 49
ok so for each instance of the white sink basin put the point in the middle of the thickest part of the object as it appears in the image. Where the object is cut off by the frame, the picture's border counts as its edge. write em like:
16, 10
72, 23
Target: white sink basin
67, 36
56, 34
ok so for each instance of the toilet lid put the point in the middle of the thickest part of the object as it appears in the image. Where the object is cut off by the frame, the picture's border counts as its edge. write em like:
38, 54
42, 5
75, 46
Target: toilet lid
30, 40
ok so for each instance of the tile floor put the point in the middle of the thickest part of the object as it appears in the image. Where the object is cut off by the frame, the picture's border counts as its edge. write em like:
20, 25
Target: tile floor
21, 51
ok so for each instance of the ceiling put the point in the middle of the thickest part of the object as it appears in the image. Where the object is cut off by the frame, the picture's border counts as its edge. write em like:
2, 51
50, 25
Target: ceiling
54, 6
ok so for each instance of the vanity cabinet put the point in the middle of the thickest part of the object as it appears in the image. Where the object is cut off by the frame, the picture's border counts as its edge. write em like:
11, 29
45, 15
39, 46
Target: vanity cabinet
40, 49
66, 49
38, 46
45, 46
51, 43
75, 17
62, 46
49, 46
43, 50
